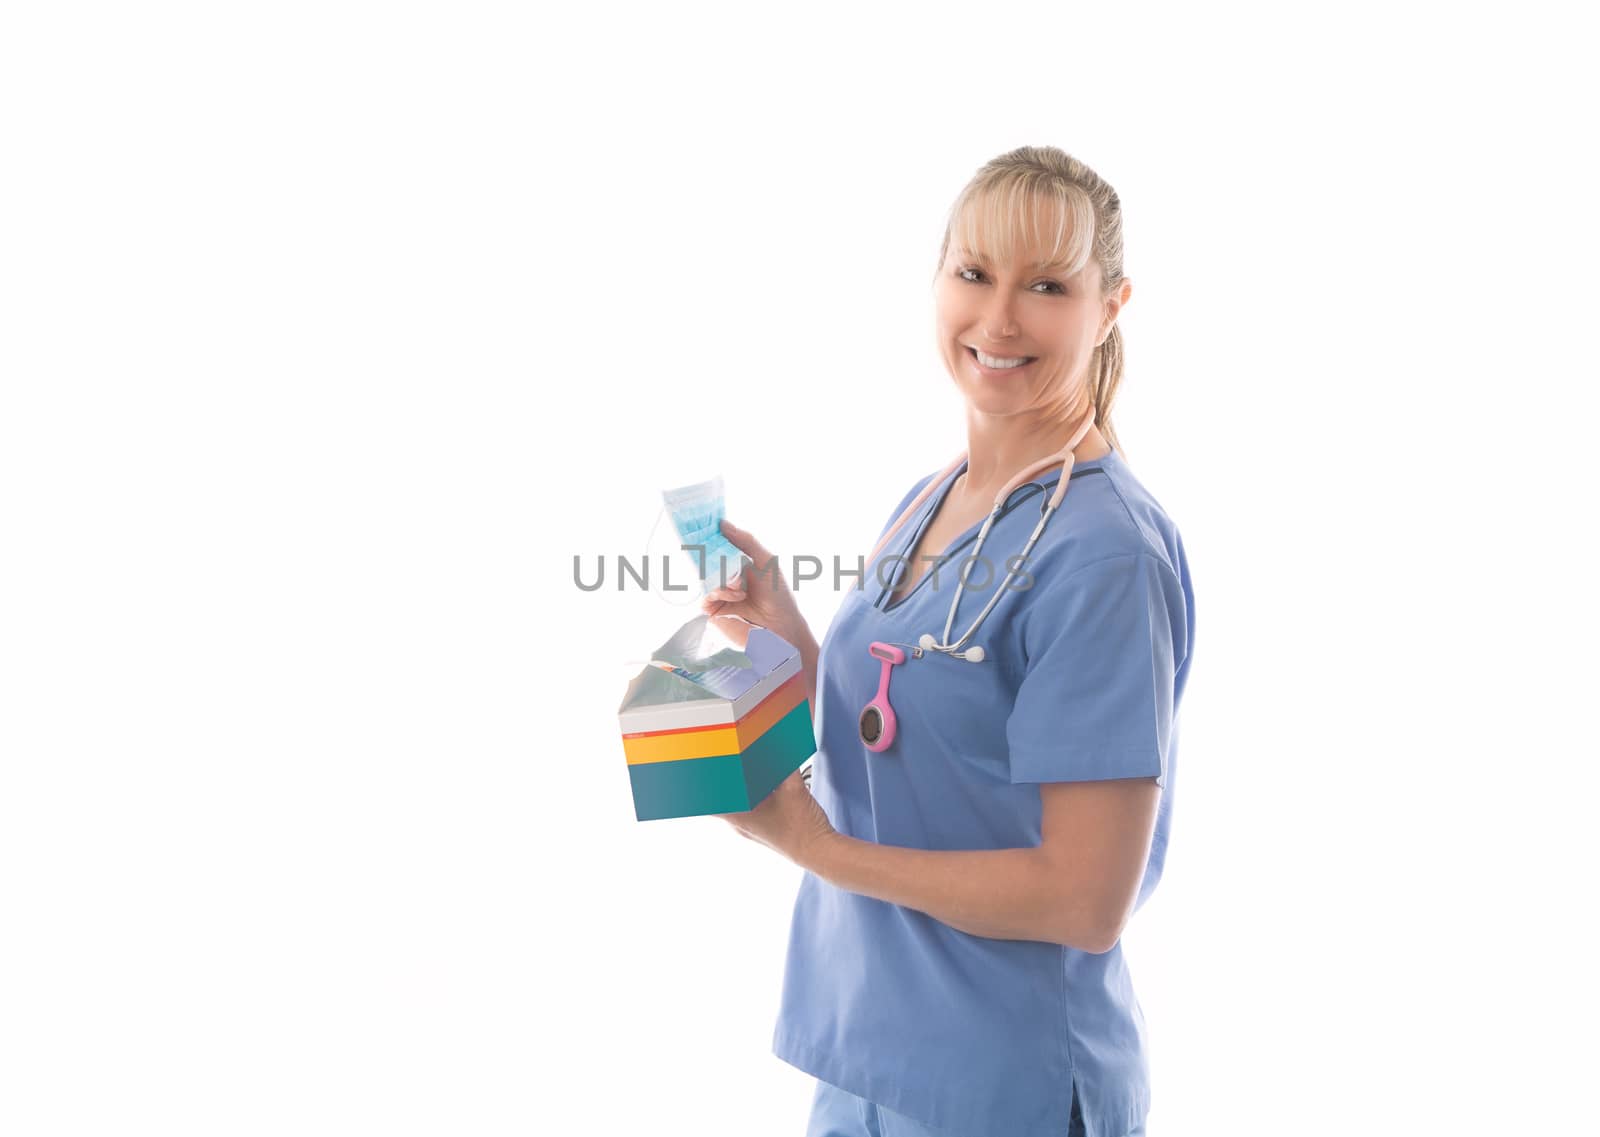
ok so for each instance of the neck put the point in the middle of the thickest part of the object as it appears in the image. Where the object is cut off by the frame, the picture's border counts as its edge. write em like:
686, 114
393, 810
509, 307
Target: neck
998, 448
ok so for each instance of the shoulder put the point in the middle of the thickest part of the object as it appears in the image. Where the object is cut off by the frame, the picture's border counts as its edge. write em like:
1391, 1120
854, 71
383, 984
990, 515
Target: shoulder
917, 487
1109, 516
905, 499
1117, 560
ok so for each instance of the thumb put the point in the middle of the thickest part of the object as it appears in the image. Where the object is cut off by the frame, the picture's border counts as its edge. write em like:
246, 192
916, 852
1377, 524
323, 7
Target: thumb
746, 543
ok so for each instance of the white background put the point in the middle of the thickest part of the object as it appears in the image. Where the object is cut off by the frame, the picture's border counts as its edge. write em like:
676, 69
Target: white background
332, 332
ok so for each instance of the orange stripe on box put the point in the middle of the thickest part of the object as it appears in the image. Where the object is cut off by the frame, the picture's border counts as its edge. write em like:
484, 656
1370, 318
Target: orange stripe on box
726, 738
771, 709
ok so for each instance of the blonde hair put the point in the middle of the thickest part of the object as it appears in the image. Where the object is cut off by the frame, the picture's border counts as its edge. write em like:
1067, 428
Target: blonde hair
998, 212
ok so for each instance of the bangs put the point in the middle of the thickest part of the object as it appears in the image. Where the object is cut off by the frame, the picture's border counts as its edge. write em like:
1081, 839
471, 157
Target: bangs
1050, 224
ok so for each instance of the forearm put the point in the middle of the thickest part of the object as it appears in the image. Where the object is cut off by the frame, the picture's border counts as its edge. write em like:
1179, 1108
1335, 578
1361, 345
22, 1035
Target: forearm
1006, 894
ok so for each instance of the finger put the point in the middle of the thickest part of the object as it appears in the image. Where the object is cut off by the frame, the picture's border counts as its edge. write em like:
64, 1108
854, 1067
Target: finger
745, 543
722, 610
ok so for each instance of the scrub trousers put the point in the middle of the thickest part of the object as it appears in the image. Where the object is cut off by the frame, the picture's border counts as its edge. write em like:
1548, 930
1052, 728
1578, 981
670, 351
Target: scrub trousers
839, 1113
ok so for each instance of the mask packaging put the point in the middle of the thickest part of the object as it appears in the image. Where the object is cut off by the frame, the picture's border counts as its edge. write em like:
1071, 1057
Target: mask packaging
696, 512
709, 729
693, 654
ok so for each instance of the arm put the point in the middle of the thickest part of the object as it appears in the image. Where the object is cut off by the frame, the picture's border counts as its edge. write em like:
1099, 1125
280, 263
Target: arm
1076, 887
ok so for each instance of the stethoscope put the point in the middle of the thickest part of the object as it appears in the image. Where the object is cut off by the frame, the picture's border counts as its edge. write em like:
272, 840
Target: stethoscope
877, 722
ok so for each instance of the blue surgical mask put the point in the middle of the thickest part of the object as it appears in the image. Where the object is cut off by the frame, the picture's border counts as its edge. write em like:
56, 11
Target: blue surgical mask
697, 515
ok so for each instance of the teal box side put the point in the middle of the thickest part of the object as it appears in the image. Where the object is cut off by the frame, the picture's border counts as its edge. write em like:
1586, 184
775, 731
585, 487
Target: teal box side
779, 752
688, 787
727, 783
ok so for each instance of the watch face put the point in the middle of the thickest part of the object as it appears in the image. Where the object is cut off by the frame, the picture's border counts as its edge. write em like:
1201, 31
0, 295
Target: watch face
871, 725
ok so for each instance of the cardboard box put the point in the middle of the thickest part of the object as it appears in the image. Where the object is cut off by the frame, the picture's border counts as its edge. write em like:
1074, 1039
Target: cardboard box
722, 732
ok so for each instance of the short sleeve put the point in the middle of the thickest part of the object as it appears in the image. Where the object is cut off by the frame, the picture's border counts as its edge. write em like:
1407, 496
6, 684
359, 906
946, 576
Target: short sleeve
1103, 647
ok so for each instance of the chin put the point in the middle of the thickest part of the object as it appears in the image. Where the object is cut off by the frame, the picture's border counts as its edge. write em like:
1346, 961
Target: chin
993, 401
981, 389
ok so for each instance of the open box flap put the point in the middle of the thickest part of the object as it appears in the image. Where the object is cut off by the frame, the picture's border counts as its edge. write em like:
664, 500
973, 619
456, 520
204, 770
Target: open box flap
724, 674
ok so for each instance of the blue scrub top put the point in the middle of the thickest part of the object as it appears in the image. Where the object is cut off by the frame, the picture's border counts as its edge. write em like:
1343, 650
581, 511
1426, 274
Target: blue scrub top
1082, 679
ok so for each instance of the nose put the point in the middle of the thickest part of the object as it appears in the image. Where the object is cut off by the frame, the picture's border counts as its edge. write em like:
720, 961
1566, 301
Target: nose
998, 322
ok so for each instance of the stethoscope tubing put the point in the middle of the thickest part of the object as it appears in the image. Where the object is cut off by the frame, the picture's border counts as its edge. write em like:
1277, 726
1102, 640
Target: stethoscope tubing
884, 721
1064, 457
950, 618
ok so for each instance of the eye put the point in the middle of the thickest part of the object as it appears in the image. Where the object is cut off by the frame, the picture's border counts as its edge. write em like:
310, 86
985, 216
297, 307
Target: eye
1055, 288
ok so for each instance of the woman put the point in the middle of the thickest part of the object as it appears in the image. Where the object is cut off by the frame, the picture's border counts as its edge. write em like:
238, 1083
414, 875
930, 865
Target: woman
954, 964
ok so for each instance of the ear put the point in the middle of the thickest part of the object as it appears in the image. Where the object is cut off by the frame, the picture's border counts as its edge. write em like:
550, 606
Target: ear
1113, 307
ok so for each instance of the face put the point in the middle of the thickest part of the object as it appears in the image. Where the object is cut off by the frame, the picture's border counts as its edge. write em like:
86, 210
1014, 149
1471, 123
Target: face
1019, 311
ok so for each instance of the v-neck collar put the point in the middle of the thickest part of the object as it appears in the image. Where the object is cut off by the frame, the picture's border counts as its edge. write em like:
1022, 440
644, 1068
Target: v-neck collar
1047, 481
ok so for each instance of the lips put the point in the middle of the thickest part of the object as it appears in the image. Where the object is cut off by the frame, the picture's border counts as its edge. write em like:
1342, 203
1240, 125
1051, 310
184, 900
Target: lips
986, 370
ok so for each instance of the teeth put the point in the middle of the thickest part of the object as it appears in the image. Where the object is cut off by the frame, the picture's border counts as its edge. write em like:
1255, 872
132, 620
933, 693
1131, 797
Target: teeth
996, 361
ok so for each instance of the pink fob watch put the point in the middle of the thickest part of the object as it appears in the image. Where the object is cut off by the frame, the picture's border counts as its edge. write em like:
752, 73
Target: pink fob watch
877, 717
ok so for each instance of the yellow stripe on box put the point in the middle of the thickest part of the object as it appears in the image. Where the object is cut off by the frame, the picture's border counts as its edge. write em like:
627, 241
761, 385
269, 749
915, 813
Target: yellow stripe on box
711, 741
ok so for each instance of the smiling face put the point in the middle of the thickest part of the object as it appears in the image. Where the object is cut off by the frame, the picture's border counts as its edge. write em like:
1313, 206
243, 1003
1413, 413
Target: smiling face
1015, 297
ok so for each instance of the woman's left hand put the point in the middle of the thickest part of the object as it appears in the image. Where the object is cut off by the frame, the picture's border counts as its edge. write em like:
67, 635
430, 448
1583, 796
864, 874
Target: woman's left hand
788, 820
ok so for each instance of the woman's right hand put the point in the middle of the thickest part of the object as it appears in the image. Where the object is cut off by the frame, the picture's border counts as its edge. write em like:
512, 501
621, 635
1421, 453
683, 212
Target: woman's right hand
759, 594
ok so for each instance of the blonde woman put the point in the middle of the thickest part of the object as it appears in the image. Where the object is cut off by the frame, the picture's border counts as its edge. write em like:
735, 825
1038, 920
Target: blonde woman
989, 808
